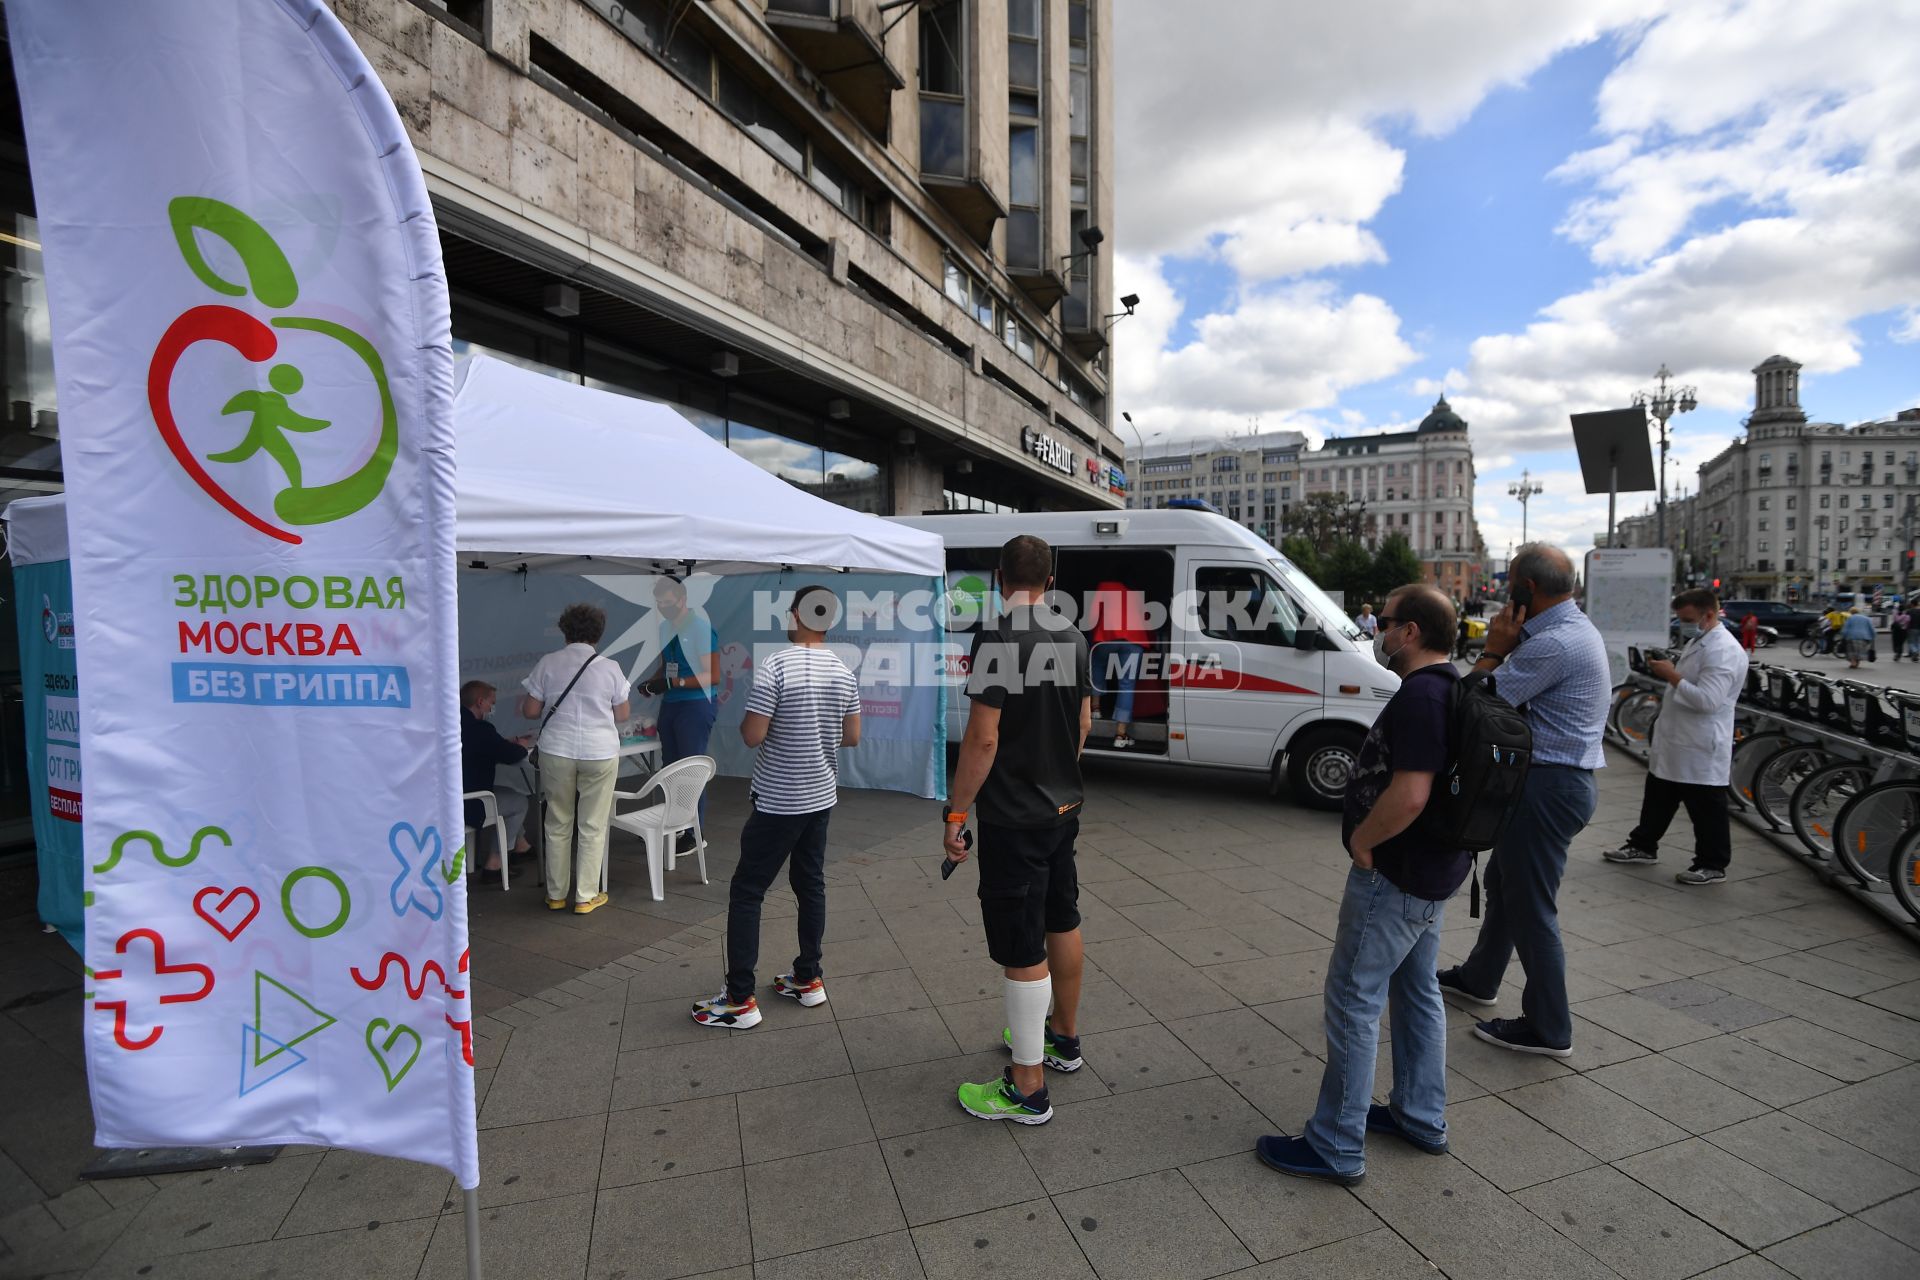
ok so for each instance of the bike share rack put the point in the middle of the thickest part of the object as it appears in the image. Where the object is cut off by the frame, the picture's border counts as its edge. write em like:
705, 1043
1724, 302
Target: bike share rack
1803, 726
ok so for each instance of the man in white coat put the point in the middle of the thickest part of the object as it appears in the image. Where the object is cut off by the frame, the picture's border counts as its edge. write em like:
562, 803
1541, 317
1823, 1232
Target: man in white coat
1693, 743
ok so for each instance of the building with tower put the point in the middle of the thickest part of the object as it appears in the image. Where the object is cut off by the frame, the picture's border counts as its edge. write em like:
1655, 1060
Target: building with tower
1418, 484
1801, 510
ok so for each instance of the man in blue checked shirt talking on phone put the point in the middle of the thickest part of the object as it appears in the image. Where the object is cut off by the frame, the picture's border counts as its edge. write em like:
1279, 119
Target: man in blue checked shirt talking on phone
1553, 666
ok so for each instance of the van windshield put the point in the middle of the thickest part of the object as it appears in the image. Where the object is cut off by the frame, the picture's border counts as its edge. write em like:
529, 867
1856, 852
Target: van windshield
1319, 603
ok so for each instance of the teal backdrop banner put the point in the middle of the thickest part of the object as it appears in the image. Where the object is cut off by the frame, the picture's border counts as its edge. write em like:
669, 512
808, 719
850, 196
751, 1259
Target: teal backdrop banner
51, 694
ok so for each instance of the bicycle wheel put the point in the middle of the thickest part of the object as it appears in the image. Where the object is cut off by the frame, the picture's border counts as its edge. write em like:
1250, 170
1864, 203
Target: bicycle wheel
1748, 756
1637, 714
1779, 776
1871, 826
1621, 692
1817, 802
1809, 647
1906, 873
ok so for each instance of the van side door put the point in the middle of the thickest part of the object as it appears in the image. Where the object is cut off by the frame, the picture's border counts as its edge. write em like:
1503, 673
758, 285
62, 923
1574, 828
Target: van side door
1243, 681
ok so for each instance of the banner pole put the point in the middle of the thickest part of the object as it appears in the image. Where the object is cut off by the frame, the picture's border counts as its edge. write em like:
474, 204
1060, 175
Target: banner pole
472, 1198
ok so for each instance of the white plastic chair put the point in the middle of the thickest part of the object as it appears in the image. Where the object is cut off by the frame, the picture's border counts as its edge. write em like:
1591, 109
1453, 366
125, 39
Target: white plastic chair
680, 785
489, 816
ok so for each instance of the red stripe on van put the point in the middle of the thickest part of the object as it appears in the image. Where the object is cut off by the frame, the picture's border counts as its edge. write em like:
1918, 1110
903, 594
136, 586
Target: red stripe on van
1235, 680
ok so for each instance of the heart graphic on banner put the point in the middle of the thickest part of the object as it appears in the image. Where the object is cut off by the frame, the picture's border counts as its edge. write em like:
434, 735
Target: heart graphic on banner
221, 910
383, 1053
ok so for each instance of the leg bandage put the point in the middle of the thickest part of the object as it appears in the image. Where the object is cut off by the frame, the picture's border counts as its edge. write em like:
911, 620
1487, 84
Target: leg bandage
1027, 1007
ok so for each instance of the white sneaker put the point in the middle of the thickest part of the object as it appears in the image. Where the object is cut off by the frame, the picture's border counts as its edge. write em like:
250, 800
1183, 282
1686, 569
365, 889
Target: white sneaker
807, 993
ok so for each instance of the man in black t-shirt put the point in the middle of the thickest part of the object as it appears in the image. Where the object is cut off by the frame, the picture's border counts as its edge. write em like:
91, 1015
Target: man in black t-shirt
1030, 687
1390, 916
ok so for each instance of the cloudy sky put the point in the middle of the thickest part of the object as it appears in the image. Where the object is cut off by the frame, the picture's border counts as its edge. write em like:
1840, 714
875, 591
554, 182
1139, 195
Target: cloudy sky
1333, 211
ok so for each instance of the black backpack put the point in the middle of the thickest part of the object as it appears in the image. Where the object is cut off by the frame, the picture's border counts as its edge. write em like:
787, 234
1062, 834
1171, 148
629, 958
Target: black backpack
1474, 799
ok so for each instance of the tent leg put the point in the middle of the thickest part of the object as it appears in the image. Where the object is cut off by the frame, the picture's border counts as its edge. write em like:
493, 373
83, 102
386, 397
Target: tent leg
472, 1198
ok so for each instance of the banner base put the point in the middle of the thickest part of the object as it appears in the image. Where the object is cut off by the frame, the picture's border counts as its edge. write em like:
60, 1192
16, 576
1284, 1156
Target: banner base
142, 1161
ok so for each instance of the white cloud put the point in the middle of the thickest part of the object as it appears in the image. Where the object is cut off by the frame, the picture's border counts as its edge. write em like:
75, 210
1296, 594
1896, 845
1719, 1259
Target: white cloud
1251, 134
1798, 126
1254, 119
1284, 352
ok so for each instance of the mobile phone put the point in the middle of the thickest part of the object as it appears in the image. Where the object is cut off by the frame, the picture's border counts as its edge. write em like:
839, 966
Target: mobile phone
948, 864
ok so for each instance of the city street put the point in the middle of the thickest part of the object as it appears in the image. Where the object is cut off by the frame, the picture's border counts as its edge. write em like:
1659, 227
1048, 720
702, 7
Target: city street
1885, 671
1739, 1102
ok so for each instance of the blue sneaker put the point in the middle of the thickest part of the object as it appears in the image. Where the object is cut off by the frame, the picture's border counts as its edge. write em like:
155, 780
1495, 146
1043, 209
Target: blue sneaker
1296, 1158
1062, 1053
1380, 1119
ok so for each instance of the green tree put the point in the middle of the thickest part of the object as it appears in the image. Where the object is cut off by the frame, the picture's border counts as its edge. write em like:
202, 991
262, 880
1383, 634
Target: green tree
1325, 518
1348, 568
1395, 564
1305, 556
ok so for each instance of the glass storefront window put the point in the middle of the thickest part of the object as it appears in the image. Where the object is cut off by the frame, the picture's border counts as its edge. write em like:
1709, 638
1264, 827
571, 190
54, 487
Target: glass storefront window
30, 439
802, 465
856, 483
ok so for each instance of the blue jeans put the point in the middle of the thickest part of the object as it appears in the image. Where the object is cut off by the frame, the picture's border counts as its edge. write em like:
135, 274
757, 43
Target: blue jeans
685, 726
1116, 665
1523, 882
769, 839
1386, 952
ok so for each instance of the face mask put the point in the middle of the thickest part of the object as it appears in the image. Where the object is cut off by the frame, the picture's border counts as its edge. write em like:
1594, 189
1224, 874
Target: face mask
1689, 631
1380, 654
1522, 595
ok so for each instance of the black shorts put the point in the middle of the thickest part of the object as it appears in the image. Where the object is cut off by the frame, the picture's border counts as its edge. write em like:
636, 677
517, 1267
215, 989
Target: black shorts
1028, 889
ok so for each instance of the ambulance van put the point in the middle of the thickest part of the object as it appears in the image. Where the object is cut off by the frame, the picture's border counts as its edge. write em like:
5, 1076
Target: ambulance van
1246, 664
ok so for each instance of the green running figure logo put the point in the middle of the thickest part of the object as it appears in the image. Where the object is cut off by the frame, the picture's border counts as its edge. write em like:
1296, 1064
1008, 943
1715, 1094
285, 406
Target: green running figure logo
271, 282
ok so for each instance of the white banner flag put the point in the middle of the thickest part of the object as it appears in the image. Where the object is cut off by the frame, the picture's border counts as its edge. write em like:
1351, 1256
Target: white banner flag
255, 377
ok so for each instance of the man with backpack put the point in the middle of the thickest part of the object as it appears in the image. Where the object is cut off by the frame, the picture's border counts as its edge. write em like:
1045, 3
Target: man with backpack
1554, 666
1692, 754
1388, 941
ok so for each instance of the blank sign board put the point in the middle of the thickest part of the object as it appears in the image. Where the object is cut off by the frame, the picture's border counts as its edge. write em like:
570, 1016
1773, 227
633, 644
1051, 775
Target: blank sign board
1629, 598
1610, 439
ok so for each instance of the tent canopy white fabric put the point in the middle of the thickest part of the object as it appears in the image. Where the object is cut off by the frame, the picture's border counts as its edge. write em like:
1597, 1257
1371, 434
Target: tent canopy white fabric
37, 529
557, 476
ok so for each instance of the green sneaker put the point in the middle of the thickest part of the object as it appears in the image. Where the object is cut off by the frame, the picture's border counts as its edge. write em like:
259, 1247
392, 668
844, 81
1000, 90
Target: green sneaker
1062, 1053
999, 1100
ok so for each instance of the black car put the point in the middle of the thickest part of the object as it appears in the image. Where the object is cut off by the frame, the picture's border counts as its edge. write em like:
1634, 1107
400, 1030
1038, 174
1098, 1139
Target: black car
1783, 618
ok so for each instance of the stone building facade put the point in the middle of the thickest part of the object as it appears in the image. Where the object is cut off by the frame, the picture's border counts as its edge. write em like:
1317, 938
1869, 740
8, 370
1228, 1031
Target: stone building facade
1252, 480
866, 245
1418, 484
1800, 510
843, 237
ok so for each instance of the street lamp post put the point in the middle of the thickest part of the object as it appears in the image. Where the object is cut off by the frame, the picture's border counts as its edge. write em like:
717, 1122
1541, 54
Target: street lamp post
1136, 482
1663, 403
1524, 488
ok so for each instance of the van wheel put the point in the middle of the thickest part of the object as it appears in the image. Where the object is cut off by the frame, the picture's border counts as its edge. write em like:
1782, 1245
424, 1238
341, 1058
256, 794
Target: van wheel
1319, 762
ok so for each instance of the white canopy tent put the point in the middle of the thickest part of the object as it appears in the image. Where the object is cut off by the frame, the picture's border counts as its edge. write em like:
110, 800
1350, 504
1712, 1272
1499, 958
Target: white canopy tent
552, 474
561, 477
565, 482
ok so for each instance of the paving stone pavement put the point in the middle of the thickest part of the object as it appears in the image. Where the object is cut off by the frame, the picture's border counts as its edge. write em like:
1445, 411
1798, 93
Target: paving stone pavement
1741, 1103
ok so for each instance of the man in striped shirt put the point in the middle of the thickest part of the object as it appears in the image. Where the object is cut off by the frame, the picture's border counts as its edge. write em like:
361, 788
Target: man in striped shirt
805, 706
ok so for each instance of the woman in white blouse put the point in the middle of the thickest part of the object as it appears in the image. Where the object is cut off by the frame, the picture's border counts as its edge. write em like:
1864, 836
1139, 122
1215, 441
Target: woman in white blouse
583, 698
